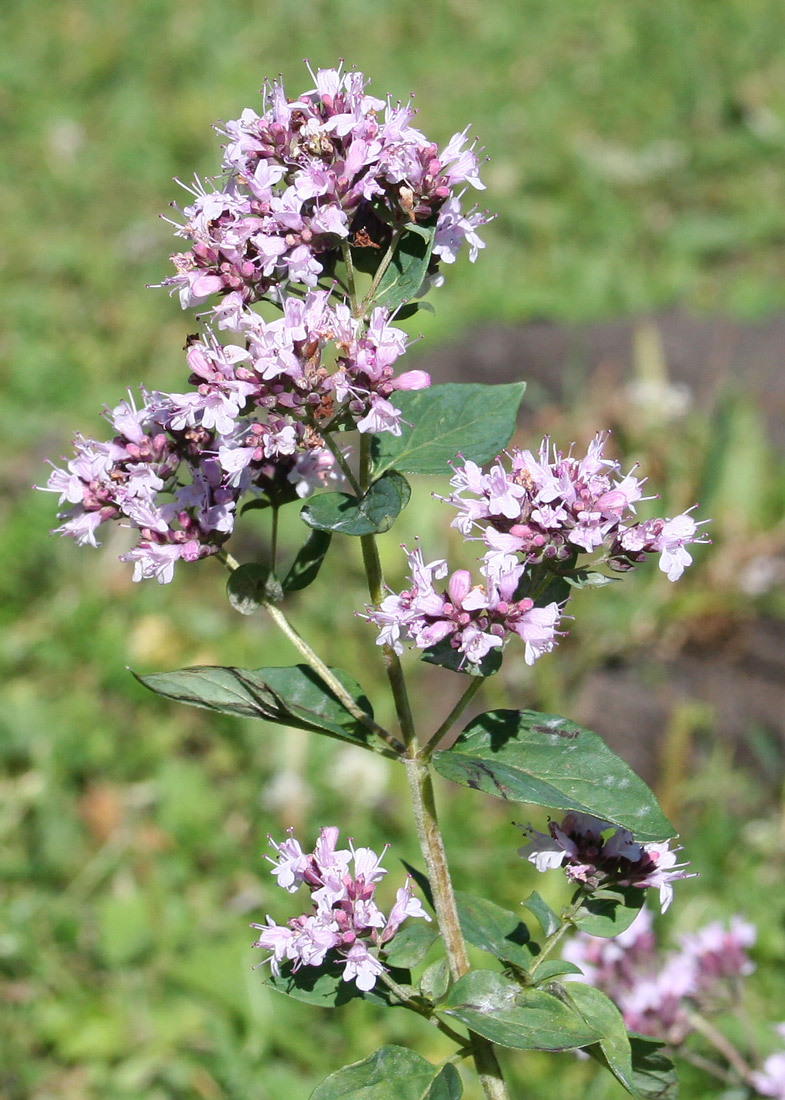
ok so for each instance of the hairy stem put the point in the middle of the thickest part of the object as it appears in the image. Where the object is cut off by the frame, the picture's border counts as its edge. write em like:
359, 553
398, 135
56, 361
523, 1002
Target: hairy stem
420, 782
432, 846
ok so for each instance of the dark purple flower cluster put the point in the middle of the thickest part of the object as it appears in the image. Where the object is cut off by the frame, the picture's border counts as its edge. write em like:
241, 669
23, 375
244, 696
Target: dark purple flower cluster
333, 165
343, 918
657, 990
596, 853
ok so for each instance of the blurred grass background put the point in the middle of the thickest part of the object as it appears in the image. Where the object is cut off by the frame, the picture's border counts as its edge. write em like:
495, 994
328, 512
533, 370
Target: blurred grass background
636, 161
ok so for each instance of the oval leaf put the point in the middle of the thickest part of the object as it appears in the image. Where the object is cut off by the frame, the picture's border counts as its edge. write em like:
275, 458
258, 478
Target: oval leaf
391, 1073
549, 922
653, 1072
602, 1013
411, 945
494, 929
435, 980
555, 968
525, 756
290, 696
249, 584
445, 421
525, 1019
374, 513
608, 912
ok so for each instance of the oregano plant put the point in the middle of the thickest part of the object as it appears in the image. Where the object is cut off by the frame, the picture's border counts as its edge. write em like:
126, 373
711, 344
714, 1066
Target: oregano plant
331, 220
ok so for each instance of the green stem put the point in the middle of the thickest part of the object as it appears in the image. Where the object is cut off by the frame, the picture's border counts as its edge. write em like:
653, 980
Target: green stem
346, 469
556, 937
325, 674
452, 717
380, 270
424, 805
721, 1044
328, 677
347, 259
274, 538
422, 1010
418, 775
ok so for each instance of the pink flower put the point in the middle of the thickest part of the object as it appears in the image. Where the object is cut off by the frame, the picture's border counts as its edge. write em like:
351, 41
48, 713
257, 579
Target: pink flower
343, 918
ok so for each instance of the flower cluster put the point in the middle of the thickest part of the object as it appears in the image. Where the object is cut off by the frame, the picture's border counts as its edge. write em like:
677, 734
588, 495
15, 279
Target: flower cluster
529, 512
552, 507
596, 854
475, 618
656, 991
343, 918
334, 166
172, 474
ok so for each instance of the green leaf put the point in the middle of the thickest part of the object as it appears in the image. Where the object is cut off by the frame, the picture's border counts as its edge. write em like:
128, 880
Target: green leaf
445, 656
411, 945
308, 562
290, 696
249, 584
349, 515
601, 1013
408, 267
445, 421
411, 308
391, 1073
526, 1019
608, 912
324, 986
555, 968
589, 578
494, 929
549, 922
653, 1072
525, 756
435, 981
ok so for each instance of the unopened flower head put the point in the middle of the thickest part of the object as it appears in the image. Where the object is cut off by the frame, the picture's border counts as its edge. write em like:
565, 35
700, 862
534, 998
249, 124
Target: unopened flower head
595, 853
344, 920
